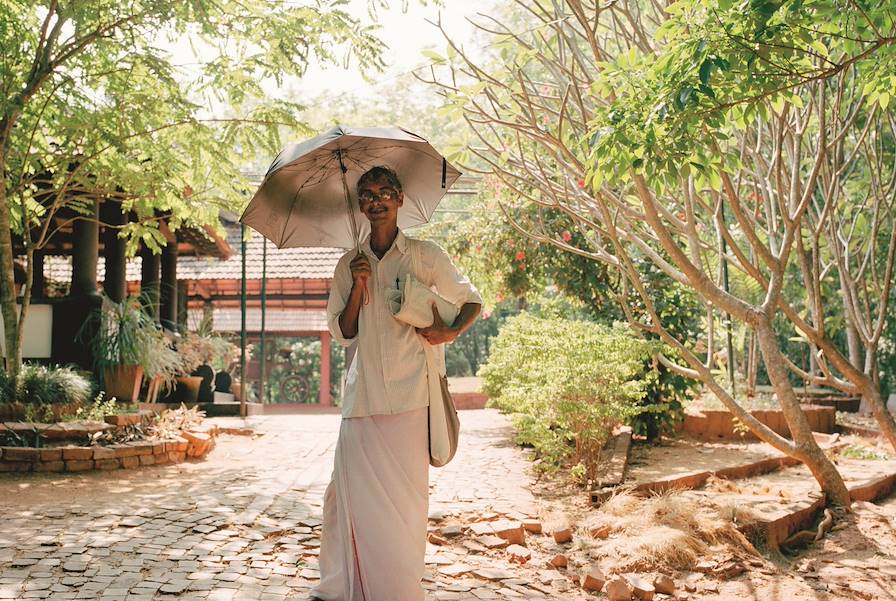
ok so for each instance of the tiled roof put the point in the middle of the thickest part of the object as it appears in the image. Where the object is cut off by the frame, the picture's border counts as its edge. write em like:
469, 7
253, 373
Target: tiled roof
59, 269
290, 263
228, 319
304, 263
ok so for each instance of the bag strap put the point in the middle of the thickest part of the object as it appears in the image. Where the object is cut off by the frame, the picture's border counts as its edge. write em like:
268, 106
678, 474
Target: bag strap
416, 260
435, 358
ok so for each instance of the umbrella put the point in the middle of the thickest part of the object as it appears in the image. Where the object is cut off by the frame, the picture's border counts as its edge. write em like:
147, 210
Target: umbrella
309, 198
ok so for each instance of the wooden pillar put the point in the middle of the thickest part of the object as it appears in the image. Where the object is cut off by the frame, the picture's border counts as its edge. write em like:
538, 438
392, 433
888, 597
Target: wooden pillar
168, 287
38, 282
149, 281
182, 306
83, 300
324, 396
85, 253
115, 282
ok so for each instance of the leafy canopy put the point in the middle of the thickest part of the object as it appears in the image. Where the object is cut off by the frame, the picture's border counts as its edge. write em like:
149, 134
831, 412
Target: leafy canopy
157, 103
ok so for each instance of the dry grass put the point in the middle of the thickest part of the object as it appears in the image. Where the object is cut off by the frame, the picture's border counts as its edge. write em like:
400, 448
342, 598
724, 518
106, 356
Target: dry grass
662, 532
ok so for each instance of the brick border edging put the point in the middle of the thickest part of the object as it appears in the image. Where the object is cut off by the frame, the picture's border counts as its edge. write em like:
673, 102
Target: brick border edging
771, 532
719, 424
127, 455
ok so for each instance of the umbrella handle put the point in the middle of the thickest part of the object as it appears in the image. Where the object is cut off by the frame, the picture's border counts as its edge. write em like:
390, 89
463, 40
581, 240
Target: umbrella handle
351, 214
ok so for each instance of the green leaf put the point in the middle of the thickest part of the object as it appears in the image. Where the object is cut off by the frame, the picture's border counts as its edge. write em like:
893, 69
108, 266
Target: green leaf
705, 71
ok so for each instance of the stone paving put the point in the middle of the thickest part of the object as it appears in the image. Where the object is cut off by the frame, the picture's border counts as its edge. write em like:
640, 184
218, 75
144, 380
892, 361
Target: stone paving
245, 522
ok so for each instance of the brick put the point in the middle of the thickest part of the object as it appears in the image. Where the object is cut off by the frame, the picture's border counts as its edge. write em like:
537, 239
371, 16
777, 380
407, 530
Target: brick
512, 532
141, 448
558, 561
593, 580
176, 457
123, 450
107, 464
15, 466
77, 453
161, 459
147, 459
158, 448
125, 419
618, 589
643, 590
130, 462
103, 453
562, 535
49, 466
533, 526
435, 539
518, 554
51, 454
78, 465
21, 454
664, 584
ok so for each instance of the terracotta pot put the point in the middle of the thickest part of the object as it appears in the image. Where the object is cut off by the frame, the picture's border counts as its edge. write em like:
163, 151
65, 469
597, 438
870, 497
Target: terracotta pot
153, 388
123, 382
187, 390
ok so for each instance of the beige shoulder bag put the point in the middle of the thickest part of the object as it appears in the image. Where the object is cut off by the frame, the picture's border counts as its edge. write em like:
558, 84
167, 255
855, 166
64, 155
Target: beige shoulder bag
444, 425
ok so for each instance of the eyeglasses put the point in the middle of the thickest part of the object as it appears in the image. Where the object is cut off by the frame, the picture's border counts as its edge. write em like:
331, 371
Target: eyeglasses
384, 195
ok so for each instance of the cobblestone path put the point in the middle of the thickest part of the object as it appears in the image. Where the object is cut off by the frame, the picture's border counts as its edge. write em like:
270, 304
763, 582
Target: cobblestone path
245, 522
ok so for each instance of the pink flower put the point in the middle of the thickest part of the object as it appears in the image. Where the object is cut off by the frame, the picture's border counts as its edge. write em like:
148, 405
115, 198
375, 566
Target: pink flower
566, 236
478, 248
520, 255
499, 297
510, 243
544, 119
486, 314
522, 266
581, 183
188, 191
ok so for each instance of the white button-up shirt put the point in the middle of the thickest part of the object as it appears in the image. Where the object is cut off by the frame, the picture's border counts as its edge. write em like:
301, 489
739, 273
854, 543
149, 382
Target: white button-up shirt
388, 371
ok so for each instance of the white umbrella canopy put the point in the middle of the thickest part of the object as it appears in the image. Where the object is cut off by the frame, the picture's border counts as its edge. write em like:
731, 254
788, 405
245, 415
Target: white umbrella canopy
304, 199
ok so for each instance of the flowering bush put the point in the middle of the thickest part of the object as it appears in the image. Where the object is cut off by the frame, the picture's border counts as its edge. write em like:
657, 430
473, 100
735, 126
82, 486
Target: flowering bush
567, 384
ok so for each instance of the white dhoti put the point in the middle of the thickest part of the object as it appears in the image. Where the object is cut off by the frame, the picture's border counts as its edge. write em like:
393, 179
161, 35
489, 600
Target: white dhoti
375, 510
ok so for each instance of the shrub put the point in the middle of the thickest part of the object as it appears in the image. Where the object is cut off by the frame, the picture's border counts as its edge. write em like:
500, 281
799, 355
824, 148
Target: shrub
664, 402
567, 384
42, 385
7, 388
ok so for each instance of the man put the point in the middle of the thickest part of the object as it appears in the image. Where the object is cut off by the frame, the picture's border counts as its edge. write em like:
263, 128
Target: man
376, 506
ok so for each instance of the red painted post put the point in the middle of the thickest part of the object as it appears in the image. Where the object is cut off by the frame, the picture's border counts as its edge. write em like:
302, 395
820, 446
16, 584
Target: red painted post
324, 396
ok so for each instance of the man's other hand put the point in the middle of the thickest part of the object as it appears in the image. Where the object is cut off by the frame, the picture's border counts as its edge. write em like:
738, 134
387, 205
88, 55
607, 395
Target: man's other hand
439, 332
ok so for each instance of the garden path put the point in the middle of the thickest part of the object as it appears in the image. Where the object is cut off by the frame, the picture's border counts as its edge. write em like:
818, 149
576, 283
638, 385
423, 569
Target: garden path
244, 523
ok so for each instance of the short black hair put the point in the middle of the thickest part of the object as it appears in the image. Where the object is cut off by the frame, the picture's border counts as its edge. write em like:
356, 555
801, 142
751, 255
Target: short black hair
380, 175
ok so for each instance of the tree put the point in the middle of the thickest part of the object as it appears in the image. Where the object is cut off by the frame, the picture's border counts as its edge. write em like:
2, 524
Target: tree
703, 137
94, 107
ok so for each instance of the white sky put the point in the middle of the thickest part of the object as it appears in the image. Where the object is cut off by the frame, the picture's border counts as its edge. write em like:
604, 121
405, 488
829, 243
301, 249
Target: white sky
406, 35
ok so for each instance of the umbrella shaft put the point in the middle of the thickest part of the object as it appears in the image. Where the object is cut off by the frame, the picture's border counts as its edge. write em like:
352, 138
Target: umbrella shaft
348, 201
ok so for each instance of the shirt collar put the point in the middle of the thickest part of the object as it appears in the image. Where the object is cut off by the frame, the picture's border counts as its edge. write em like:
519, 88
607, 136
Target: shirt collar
401, 243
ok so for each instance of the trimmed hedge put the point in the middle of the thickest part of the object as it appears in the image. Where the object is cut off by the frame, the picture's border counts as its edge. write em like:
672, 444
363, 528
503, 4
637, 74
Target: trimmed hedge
567, 383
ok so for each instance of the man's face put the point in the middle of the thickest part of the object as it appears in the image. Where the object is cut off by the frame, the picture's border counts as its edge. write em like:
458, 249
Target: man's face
379, 202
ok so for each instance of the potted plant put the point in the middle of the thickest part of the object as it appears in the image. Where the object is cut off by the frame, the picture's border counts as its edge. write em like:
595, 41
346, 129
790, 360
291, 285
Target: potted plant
124, 339
162, 367
203, 353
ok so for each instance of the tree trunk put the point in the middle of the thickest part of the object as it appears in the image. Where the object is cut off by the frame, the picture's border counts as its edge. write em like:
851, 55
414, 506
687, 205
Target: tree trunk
873, 400
807, 450
8, 285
